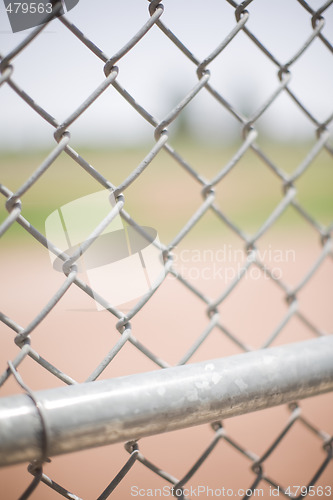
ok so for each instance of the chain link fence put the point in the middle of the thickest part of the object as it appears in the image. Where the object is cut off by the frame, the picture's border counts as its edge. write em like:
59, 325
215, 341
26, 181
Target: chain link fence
127, 327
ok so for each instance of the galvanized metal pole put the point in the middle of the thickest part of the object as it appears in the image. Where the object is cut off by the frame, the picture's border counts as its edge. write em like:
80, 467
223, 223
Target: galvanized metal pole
109, 411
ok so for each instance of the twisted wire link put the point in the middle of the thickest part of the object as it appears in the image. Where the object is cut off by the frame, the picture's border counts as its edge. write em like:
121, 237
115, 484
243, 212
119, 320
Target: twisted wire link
207, 203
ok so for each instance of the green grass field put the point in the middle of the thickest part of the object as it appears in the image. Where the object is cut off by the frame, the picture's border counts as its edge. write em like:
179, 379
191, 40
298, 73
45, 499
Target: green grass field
165, 195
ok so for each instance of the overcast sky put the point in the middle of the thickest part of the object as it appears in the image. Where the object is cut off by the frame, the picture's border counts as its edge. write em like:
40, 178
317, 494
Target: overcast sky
59, 72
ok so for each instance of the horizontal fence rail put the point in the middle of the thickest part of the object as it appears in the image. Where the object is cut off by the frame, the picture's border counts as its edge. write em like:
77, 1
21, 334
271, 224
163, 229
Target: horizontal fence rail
127, 408
175, 317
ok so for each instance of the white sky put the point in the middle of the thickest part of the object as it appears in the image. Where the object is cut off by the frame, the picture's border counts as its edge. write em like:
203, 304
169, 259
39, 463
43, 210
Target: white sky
59, 72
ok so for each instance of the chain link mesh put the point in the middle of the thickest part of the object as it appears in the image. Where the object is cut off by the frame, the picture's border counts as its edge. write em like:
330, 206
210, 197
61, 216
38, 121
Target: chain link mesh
207, 204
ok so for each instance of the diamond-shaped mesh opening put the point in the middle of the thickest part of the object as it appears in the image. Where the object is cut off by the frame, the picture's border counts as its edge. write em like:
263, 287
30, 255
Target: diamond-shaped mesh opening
307, 299
250, 203
297, 19
212, 128
287, 113
314, 194
252, 326
296, 466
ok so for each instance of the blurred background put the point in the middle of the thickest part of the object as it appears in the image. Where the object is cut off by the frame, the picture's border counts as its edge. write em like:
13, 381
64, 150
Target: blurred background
68, 72
59, 72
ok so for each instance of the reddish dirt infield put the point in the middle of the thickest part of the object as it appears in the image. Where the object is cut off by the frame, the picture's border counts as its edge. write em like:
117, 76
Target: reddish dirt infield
75, 337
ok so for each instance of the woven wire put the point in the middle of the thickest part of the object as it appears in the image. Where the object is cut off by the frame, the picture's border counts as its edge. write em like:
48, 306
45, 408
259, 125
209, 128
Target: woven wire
207, 203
